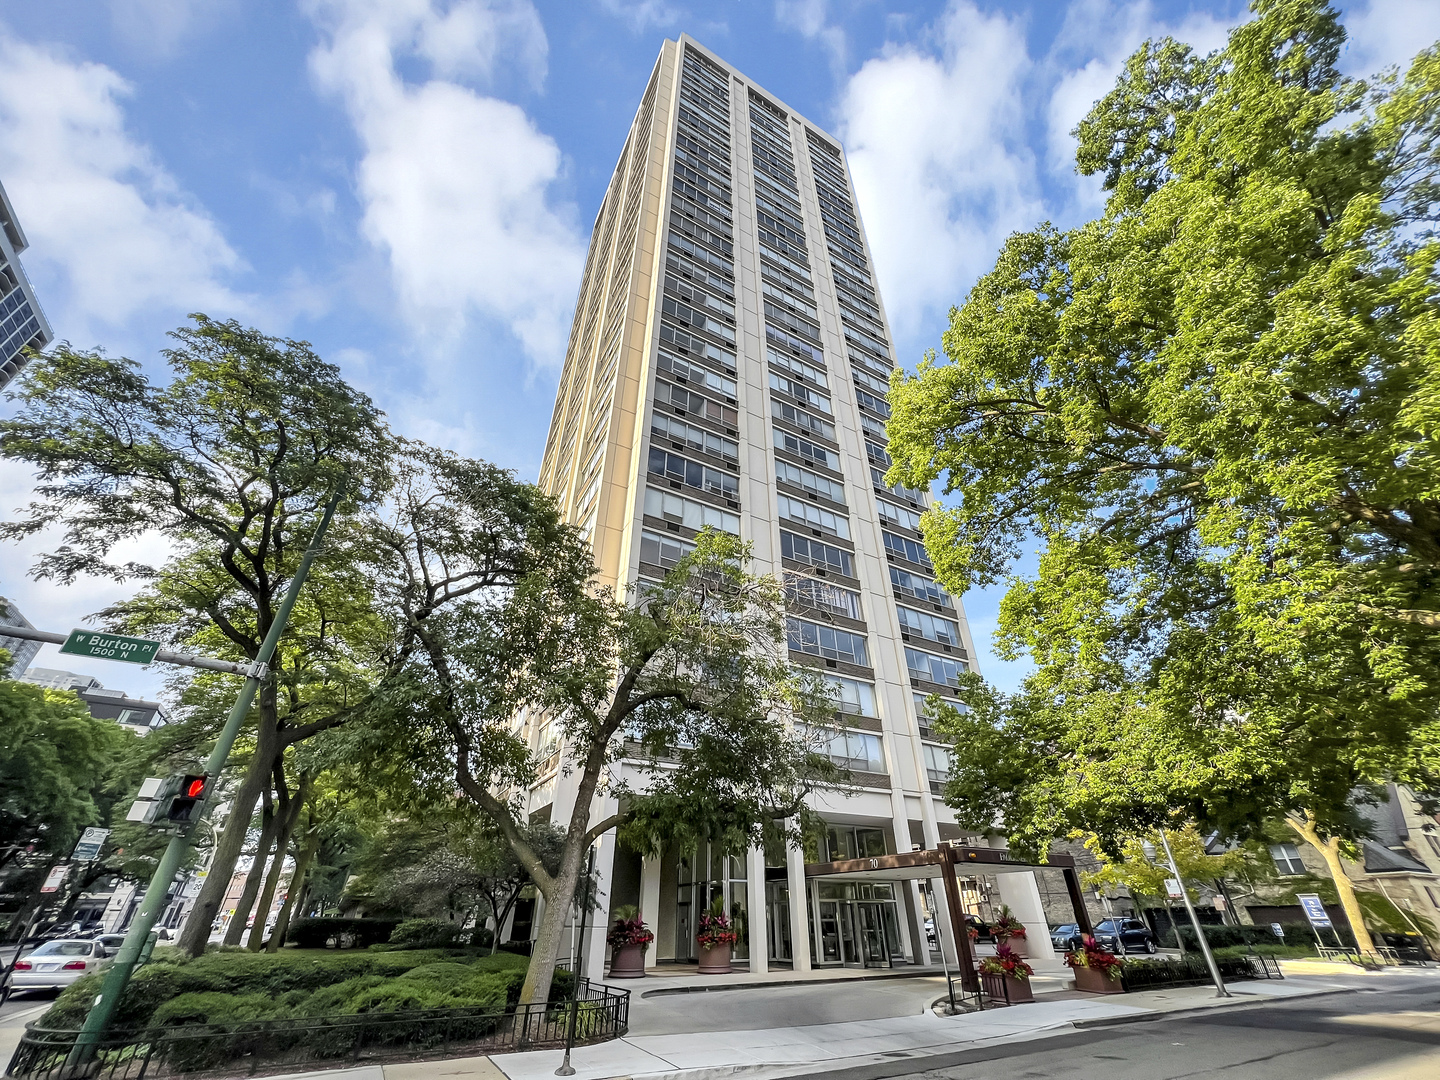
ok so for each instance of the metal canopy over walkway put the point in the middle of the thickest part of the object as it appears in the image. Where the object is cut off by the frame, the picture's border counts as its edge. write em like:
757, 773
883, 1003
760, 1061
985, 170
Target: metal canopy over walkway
941, 862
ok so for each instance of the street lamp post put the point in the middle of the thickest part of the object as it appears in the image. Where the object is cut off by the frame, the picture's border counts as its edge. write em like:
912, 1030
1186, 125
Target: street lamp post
1220, 990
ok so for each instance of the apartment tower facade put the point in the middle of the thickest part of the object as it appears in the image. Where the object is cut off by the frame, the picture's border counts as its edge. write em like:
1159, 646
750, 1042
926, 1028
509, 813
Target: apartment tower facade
727, 367
22, 323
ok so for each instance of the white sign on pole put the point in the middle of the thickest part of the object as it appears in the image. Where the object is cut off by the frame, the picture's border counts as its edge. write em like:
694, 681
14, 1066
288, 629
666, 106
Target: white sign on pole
1314, 909
1173, 889
55, 877
91, 841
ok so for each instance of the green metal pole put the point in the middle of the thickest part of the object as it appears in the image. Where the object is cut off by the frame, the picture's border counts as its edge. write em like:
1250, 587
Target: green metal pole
112, 989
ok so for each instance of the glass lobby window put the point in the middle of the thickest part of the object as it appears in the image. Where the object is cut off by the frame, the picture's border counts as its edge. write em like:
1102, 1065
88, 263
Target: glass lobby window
852, 842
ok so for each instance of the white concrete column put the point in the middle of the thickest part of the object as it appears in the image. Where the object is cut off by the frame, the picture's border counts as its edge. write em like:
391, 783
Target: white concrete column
756, 912
799, 908
650, 905
1020, 892
596, 951
922, 947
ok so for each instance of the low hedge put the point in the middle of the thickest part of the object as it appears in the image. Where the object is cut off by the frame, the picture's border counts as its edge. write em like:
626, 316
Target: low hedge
317, 933
1221, 937
230, 986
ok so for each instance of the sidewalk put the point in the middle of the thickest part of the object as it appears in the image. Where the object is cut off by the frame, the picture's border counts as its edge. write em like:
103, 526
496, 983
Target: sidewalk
768, 1053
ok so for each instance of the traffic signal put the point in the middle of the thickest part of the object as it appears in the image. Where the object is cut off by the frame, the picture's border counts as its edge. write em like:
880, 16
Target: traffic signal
189, 798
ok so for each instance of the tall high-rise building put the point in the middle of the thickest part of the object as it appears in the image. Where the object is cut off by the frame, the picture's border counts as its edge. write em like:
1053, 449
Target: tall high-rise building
22, 650
728, 366
22, 323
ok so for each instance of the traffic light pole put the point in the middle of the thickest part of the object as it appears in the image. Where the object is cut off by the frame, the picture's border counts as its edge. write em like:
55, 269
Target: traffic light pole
97, 1021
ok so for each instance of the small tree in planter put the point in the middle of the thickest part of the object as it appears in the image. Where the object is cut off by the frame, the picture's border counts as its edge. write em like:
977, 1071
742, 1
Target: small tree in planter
1010, 931
1096, 970
1006, 976
627, 939
716, 938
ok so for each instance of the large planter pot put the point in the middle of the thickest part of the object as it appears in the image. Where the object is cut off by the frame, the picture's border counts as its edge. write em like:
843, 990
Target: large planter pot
715, 960
628, 962
1018, 946
1006, 988
1095, 981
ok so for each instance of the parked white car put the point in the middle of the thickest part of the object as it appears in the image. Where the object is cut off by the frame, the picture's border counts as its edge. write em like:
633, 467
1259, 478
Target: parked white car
57, 964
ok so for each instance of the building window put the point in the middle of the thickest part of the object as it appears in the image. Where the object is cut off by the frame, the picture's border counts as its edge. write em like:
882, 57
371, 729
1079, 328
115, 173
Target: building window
848, 842
696, 475
802, 549
918, 587
907, 549
1287, 858
937, 763
814, 516
809, 481
935, 669
812, 592
664, 551
826, 641
855, 697
693, 515
858, 751
946, 631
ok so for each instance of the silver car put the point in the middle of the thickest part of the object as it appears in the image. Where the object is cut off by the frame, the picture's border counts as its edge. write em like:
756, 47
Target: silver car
57, 964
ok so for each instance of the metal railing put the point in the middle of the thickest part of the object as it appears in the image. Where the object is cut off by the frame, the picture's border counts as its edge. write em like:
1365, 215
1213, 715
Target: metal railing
270, 1046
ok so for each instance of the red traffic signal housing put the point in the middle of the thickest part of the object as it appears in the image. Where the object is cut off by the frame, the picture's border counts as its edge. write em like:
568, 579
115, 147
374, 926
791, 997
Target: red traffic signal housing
186, 805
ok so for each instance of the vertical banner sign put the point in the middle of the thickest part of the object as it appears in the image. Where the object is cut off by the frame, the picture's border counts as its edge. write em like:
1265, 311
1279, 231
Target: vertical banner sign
1314, 909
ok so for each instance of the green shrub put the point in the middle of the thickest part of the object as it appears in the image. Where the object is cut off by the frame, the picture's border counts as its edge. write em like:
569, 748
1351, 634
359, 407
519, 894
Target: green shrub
425, 934
318, 933
439, 975
1221, 937
209, 1007
334, 1000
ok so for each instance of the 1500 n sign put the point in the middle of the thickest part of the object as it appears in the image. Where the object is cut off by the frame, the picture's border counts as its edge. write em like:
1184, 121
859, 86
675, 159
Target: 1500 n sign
110, 646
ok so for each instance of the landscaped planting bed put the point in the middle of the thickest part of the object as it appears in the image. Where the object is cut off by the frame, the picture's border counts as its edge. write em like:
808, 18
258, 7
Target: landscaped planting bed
228, 986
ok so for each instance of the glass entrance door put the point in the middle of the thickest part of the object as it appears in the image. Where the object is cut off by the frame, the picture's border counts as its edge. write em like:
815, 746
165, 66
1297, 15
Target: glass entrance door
875, 950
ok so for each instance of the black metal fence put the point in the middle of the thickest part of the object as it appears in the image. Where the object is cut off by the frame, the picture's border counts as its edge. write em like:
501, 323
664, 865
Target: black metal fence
196, 1051
1191, 970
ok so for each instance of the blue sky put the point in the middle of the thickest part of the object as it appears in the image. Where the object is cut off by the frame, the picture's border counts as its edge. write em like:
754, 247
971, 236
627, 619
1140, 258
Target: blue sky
409, 184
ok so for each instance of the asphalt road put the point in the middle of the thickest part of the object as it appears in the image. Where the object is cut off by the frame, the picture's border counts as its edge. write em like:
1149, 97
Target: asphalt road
1393, 1035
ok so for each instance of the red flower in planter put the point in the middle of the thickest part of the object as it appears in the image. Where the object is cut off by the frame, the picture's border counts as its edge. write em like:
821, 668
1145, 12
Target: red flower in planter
1091, 955
1005, 962
629, 932
715, 930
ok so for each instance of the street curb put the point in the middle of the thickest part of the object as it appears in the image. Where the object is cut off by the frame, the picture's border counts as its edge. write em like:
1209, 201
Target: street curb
666, 991
1247, 1001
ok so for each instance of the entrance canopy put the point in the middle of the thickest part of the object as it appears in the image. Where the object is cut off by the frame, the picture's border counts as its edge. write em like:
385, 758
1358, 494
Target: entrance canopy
926, 863
945, 862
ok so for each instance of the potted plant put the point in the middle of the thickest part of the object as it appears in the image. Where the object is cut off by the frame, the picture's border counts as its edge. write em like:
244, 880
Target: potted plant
1006, 977
628, 939
1010, 931
1096, 970
716, 938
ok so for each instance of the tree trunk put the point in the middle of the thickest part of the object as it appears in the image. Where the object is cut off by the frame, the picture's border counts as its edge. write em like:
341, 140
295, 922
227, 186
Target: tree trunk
546, 951
1329, 850
196, 934
288, 817
294, 894
235, 931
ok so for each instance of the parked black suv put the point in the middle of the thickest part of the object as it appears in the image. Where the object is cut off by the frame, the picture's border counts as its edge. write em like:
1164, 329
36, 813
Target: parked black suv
1125, 935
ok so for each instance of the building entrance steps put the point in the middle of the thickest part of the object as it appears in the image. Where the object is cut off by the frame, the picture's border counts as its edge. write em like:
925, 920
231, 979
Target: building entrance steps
686, 979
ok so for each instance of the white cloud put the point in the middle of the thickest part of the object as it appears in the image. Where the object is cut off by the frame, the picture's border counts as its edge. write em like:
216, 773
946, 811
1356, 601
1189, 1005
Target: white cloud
456, 185
642, 14
1388, 32
935, 138
812, 19
158, 26
112, 234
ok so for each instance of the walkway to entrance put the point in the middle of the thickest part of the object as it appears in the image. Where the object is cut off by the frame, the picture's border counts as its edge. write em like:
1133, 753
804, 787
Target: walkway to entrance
941, 862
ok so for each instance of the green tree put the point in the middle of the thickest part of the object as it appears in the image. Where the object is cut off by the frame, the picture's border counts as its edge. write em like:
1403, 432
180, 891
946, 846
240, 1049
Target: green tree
55, 762
694, 673
1215, 408
1139, 865
231, 462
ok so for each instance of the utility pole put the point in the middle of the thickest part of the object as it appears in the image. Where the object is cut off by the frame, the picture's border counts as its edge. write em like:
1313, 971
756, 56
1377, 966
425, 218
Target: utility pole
1220, 990
97, 1021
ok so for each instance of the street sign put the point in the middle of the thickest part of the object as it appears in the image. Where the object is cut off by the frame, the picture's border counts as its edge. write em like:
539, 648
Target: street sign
55, 877
91, 841
1314, 909
132, 650
1173, 889
1277, 930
